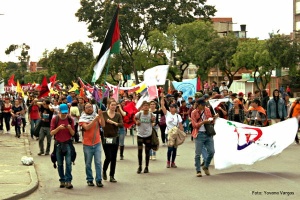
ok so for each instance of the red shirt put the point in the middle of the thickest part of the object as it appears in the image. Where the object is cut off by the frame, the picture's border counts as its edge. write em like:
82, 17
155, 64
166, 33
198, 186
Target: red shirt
183, 109
34, 112
62, 135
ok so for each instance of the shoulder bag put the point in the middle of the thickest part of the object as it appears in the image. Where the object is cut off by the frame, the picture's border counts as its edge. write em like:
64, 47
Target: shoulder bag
209, 129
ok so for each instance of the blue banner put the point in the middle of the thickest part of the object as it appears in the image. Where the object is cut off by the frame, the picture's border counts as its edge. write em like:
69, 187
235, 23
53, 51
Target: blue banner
188, 87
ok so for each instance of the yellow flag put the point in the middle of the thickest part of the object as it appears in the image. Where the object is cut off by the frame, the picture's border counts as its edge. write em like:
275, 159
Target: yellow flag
19, 89
75, 87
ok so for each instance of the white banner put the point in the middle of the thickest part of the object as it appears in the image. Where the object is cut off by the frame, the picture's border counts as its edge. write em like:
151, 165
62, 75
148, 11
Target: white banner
156, 75
237, 143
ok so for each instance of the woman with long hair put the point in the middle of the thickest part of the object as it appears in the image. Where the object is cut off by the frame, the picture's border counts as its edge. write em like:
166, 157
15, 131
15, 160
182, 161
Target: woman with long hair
16, 112
110, 139
236, 113
172, 119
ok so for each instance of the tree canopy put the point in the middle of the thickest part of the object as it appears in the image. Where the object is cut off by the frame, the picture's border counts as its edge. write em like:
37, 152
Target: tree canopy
137, 19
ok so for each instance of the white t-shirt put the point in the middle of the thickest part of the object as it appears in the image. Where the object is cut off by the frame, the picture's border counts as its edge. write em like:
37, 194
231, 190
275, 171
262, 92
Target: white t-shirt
202, 128
172, 120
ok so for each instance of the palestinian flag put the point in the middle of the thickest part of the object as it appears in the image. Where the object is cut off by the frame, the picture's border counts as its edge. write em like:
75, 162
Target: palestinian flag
110, 45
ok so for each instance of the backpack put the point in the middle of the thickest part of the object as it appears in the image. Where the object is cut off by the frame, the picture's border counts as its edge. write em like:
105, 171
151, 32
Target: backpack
73, 151
154, 137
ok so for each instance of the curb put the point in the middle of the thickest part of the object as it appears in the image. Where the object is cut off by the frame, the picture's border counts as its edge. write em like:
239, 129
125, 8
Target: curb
34, 184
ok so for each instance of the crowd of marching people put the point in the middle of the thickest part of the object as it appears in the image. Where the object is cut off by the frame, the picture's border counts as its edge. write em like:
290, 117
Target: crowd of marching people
70, 118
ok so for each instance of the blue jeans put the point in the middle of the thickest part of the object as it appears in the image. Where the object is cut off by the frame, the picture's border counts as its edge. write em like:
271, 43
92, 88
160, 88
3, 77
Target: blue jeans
121, 133
33, 123
186, 125
203, 140
67, 175
204, 153
90, 152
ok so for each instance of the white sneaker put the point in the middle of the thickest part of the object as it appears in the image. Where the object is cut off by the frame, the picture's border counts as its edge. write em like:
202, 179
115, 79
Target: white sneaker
150, 157
153, 157
8, 132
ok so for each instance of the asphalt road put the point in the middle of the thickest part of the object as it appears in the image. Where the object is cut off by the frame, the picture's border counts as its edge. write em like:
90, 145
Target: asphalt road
277, 177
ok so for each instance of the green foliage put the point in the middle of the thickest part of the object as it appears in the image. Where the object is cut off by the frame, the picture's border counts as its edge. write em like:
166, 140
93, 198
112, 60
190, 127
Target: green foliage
76, 61
188, 41
137, 19
220, 53
21, 69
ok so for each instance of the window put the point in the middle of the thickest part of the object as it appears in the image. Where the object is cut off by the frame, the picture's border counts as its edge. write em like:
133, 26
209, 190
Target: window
297, 7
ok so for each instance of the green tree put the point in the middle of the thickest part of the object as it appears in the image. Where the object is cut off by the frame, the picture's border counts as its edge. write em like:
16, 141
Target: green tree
21, 70
137, 18
71, 63
188, 42
220, 52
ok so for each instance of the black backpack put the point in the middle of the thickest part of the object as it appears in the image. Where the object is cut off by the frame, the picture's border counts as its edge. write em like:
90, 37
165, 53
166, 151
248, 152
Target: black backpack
70, 142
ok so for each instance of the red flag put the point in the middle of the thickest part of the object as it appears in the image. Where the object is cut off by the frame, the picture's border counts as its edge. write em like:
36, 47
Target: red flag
44, 88
199, 83
81, 83
130, 110
52, 79
11, 80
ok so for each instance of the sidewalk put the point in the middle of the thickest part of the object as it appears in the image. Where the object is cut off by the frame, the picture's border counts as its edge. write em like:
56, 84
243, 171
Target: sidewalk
16, 180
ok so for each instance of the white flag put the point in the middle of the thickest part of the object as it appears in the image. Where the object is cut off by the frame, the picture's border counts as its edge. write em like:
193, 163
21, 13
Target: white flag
236, 143
215, 102
2, 91
156, 75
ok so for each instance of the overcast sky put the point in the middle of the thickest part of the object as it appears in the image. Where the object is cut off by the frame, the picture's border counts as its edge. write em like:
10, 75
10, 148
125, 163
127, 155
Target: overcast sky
46, 24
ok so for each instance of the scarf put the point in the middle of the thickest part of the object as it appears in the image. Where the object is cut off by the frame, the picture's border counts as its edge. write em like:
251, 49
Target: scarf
87, 118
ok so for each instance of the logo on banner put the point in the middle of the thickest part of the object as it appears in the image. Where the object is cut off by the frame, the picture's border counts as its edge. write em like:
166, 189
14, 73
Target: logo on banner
247, 136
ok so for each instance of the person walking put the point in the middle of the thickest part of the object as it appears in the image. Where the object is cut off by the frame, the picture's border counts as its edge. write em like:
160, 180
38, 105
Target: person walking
46, 113
90, 123
144, 121
122, 130
172, 119
113, 121
153, 109
23, 113
33, 115
200, 116
276, 111
63, 131
7, 113
74, 112
16, 112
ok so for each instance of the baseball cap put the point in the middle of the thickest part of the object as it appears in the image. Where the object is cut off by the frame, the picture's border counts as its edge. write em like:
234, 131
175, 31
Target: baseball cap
241, 94
63, 108
198, 94
201, 101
